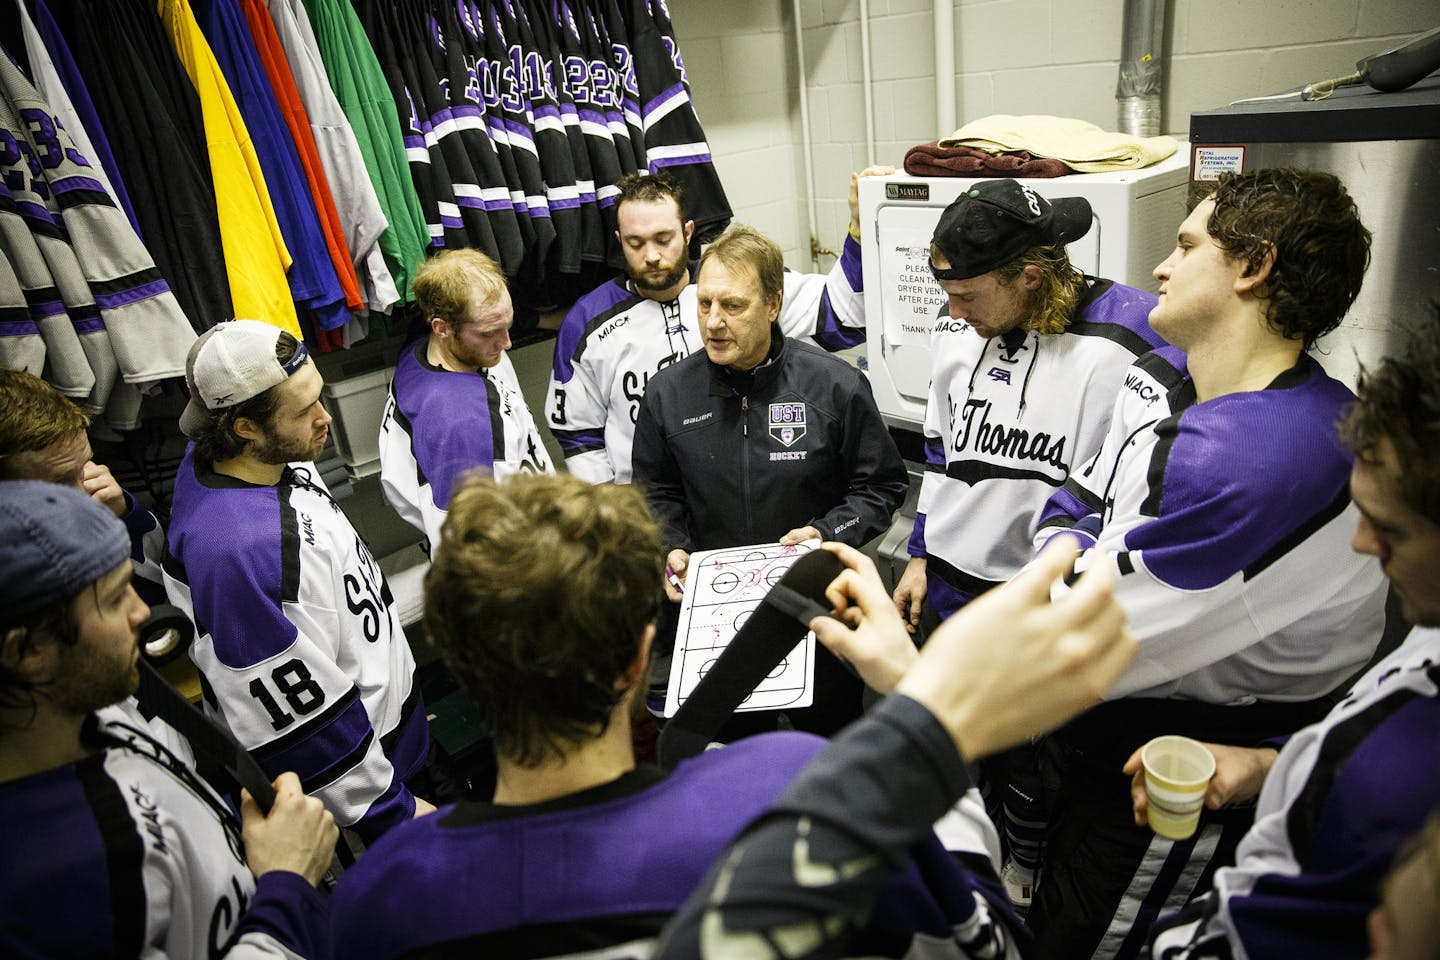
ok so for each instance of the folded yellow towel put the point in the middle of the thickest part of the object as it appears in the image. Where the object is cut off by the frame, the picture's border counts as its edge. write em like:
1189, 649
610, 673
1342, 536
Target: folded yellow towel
1082, 146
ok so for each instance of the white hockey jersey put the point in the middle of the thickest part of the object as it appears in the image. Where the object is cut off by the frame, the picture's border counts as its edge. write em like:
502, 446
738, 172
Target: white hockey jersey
300, 650
1008, 418
1229, 525
128, 853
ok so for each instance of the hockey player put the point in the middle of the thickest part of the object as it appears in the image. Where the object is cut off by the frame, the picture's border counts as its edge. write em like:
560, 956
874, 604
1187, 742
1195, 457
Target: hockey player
1221, 494
114, 847
541, 598
43, 437
298, 643
1338, 800
621, 334
763, 438
455, 403
1024, 375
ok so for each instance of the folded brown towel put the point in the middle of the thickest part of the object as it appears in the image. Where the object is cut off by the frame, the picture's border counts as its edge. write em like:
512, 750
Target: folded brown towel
1081, 145
932, 160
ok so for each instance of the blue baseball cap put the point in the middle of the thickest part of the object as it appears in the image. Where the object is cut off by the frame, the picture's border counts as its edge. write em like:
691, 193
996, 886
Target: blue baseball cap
57, 541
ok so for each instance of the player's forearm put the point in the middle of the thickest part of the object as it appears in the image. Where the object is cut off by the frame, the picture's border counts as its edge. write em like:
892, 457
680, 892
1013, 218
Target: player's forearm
1069, 508
849, 818
286, 912
841, 323
392, 808
847, 276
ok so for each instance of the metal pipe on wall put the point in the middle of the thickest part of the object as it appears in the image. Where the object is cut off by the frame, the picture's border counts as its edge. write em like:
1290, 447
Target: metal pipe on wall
944, 67
1141, 81
866, 83
806, 147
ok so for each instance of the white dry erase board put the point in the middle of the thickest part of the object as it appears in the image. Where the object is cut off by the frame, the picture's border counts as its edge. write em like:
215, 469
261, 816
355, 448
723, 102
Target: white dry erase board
722, 587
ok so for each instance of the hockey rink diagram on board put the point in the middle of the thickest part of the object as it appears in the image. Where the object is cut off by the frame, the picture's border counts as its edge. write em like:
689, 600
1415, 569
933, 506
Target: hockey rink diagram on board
722, 588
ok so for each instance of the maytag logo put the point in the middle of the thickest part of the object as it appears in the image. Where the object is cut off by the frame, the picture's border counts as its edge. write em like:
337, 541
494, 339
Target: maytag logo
907, 191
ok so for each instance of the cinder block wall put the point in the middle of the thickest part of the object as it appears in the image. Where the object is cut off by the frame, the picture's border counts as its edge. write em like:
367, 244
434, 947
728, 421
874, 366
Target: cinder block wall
740, 59
1011, 56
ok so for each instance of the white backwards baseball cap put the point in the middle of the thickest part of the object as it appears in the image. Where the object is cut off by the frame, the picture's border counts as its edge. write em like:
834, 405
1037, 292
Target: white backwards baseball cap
230, 363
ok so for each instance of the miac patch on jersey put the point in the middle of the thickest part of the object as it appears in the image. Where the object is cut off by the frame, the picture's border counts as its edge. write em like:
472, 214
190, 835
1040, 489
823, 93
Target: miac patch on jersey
787, 422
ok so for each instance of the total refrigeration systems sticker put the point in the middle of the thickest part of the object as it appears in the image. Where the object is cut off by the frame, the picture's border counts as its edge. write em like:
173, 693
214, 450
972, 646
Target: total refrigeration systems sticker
1212, 161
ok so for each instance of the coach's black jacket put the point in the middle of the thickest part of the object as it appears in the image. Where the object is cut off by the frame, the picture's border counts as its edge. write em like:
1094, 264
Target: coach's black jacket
727, 459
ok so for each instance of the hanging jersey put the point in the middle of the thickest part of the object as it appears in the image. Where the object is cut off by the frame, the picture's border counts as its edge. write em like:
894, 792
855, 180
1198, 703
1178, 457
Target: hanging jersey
439, 424
476, 87
256, 257
47, 73
575, 67
21, 346
72, 297
359, 86
144, 97
392, 28
440, 172
299, 647
543, 30
607, 86
608, 25
113, 273
1007, 420
538, 115
356, 201
297, 122
313, 283
674, 140
614, 340
128, 853
506, 101
460, 126
69, 365
1228, 523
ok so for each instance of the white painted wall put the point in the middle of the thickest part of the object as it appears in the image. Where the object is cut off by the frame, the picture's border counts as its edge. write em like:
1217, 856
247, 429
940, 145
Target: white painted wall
1012, 56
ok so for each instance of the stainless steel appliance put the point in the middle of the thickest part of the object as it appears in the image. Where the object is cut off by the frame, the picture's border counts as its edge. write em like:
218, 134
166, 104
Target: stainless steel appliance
1386, 147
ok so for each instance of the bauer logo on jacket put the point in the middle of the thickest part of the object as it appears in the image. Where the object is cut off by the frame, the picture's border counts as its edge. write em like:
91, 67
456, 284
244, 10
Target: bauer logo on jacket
787, 422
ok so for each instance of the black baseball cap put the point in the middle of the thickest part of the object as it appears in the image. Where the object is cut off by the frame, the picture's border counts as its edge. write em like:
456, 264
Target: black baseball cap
995, 221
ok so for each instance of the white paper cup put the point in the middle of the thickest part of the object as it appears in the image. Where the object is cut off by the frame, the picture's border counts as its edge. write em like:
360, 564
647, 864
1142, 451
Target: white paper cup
1177, 771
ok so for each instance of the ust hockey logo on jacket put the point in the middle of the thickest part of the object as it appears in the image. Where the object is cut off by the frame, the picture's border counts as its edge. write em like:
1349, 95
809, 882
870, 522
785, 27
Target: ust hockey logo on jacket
787, 422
